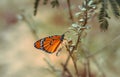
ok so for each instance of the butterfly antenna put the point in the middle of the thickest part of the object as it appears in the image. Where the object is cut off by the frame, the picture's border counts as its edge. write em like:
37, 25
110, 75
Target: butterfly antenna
65, 32
62, 36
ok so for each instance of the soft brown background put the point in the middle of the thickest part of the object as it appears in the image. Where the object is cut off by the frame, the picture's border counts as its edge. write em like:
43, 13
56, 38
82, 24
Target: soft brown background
19, 58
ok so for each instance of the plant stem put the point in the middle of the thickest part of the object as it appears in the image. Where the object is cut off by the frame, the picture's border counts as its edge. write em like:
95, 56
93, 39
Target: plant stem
70, 55
70, 11
78, 40
74, 62
88, 67
66, 69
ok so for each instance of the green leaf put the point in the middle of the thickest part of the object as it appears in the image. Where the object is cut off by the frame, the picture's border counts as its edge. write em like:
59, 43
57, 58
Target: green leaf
55, 3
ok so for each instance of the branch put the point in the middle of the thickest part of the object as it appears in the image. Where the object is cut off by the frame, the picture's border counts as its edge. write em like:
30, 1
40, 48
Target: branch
77, 42
66, 70
70, 11
74, 62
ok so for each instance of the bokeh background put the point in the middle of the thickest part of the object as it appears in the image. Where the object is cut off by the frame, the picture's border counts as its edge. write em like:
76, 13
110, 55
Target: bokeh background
19, 29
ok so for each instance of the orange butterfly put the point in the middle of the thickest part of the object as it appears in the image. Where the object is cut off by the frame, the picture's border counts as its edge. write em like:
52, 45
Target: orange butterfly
49, 44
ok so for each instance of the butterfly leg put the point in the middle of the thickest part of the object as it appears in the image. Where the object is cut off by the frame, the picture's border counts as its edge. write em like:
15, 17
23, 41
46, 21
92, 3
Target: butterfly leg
59, 50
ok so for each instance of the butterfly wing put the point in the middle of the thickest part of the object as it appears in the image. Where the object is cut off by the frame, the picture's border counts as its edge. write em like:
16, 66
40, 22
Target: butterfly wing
49, 44
52, 45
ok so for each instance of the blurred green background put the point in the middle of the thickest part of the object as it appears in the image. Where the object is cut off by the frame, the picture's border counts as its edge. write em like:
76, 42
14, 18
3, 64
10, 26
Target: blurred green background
19, 29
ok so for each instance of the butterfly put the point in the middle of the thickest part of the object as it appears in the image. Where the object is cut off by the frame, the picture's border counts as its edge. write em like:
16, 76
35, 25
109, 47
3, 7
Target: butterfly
49, 44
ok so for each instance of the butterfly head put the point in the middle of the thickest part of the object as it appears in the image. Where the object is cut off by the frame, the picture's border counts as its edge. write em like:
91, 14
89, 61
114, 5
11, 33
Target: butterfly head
62, 37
